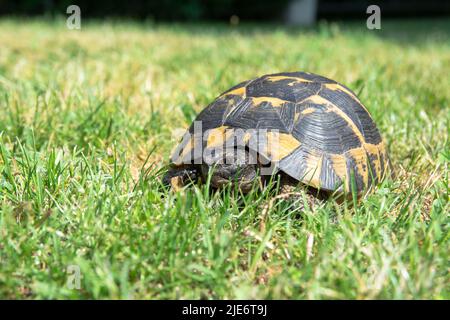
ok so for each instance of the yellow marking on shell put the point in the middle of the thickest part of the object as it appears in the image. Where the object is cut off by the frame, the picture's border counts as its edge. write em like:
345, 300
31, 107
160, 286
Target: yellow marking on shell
359, 156
236, 92
314, 167
218, 136
317, 99
387, 165
280, 78
378, 151
177, 160
338, 87
279, 145
340, 168
303, 113
333, 108
241, 137
275, 102
308, 111
246, 137
383, 154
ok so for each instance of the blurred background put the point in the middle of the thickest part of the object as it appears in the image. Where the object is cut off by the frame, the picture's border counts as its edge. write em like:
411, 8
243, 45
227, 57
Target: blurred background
300, 12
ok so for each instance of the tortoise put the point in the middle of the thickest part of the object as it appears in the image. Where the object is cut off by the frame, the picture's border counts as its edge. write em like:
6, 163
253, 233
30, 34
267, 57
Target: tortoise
307, 128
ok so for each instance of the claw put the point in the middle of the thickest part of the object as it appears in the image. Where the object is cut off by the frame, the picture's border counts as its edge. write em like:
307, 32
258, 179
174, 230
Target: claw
177, 178
176, 183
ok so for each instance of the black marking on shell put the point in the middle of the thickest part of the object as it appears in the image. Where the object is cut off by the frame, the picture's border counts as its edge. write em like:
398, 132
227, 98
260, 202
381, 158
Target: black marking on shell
353, 174
326, 132
287, 115
263, 87
295, 164
328, 178
247, 116
304, 75
355, 111
300, 107
316, 78
212, 116
303, 90
372, 172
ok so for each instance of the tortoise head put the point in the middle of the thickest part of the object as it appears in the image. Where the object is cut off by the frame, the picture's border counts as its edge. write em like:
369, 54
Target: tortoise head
232, 166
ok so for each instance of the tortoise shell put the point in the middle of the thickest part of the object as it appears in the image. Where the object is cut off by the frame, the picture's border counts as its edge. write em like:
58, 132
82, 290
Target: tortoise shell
320, 132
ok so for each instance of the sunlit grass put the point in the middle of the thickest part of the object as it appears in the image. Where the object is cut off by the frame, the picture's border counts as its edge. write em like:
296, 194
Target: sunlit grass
87, 122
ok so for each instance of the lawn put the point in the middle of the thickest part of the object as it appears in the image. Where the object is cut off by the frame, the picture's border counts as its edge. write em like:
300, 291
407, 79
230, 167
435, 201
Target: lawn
87, 122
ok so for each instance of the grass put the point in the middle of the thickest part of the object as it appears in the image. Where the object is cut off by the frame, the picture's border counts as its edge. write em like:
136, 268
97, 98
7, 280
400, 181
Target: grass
87, 122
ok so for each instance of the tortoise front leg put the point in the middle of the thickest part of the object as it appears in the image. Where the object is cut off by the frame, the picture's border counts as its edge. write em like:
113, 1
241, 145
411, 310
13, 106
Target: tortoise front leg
178, 177
290, 190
